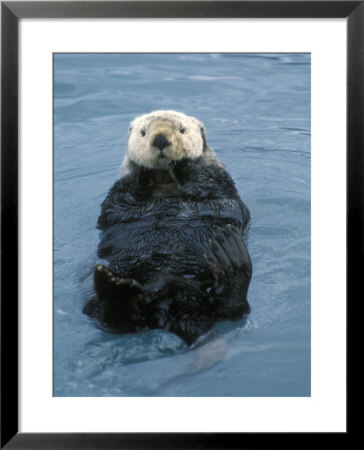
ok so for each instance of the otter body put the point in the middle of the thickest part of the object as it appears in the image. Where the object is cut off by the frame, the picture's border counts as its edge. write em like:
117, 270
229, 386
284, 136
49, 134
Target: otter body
172, 238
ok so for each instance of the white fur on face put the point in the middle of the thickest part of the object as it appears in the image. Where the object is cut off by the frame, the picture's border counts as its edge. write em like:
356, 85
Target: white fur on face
182, 132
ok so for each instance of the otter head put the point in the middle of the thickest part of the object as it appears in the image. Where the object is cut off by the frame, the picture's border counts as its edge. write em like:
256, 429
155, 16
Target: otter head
158, 139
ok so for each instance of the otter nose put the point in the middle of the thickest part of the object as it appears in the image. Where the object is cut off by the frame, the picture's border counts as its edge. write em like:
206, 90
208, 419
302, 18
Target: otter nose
160, 141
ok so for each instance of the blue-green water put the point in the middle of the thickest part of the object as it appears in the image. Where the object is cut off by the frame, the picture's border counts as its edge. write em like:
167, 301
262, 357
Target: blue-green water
256, 109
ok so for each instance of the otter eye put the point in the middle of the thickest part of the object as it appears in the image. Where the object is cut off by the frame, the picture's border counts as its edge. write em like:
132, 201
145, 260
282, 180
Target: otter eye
143, 132
182, 130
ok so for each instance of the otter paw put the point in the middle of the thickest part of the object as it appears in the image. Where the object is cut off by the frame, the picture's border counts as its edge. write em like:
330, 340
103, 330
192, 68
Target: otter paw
227, 255
110, 286
92, 308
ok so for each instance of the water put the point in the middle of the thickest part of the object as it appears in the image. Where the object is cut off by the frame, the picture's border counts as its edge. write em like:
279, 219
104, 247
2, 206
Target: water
256, 109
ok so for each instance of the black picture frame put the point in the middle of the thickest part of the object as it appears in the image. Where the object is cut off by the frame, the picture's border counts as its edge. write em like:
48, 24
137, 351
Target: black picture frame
11, 12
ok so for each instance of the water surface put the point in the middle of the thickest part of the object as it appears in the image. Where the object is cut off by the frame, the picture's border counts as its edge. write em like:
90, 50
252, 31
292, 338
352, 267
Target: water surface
256, 109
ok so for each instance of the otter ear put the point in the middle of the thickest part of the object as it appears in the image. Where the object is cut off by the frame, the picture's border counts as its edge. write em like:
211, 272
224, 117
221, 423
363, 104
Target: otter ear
204, 139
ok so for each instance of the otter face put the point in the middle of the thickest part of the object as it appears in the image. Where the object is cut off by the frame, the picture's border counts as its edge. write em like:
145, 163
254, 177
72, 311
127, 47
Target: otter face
161, 137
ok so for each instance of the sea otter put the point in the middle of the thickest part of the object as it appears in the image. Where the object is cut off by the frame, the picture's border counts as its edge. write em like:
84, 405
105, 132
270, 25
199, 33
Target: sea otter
172, 235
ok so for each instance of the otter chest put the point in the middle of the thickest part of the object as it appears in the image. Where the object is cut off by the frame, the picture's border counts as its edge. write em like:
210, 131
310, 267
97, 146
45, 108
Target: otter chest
162, 185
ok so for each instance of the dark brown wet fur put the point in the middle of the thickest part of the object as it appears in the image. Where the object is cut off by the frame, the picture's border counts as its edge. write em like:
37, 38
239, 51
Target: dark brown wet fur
176, 255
